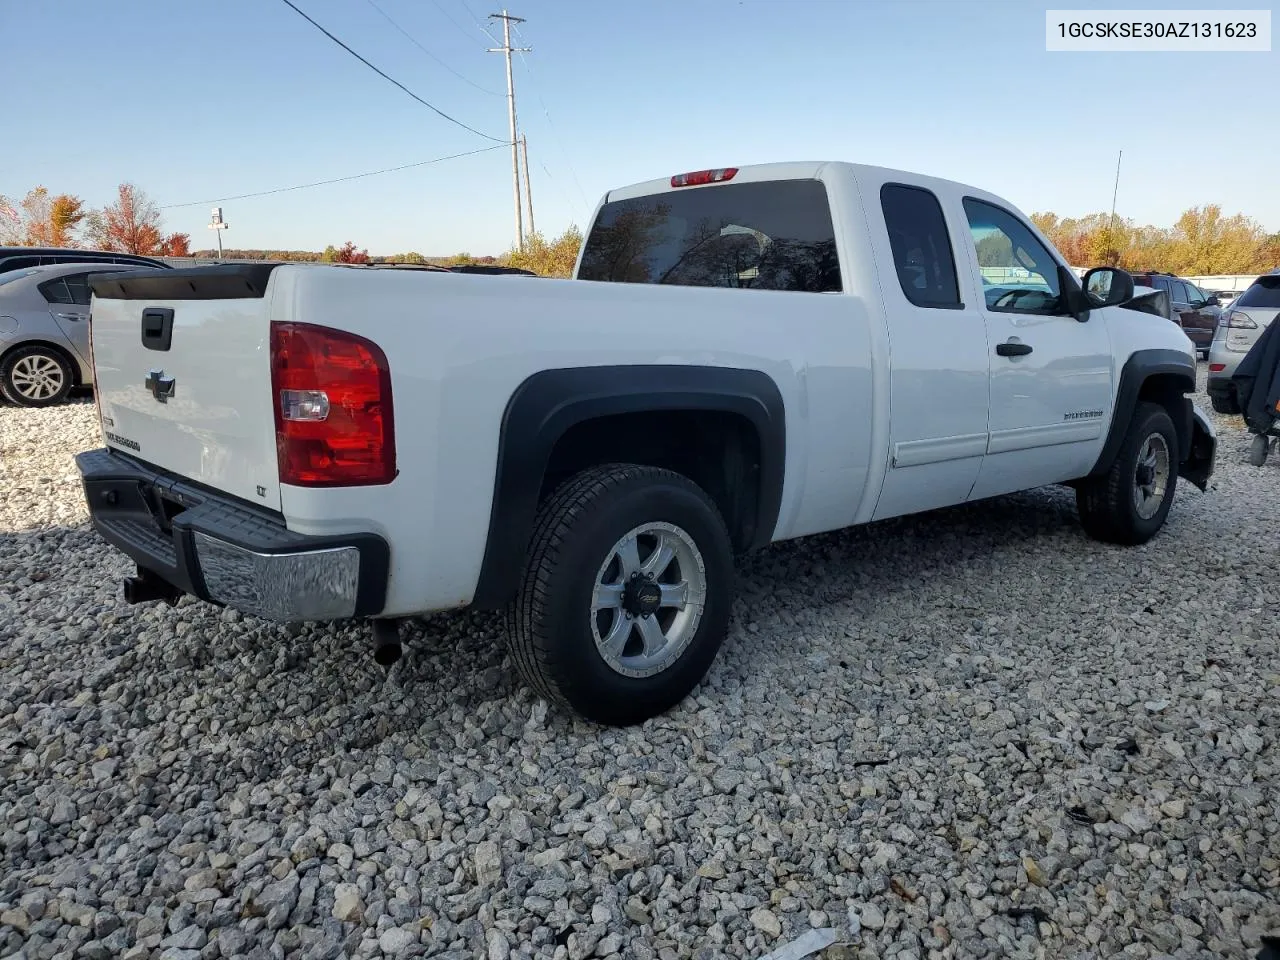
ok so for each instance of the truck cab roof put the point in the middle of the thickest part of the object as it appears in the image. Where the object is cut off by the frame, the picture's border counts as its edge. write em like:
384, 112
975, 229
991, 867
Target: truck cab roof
799, 170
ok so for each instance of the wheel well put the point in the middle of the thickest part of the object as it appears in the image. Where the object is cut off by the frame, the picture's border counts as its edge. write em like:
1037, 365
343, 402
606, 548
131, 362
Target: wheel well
1169, 391
718, 451
52, 348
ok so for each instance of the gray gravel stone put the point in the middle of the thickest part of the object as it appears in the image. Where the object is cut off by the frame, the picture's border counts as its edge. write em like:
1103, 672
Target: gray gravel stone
347, 903
979, 709
397, 940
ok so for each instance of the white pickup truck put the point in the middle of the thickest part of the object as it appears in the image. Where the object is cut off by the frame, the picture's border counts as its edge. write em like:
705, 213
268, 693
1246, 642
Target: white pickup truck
745, 356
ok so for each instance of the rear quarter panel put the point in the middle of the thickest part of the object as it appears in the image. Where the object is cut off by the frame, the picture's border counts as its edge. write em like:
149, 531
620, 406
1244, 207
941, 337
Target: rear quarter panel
459, 346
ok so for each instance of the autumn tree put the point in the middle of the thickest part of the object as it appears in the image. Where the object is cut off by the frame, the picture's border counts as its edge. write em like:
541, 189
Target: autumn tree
548, 258
10, 222
176, 245
347, 253
1202, 243
132, 223
37, 210
41, 219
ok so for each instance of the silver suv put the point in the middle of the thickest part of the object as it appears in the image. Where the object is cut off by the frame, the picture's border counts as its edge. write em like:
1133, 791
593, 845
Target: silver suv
1238, 330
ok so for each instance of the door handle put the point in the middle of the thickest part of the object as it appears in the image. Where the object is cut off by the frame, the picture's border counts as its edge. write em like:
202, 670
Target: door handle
1011, 349
69, 316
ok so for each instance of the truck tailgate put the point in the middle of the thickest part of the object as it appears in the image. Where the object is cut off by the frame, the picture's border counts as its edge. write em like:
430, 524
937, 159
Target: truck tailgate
182, 367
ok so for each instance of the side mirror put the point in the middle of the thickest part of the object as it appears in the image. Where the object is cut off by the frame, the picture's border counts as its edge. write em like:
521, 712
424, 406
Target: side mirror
1107, 287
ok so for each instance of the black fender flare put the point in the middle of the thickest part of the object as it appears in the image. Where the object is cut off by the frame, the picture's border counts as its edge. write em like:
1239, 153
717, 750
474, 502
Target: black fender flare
547, 404
1141, 366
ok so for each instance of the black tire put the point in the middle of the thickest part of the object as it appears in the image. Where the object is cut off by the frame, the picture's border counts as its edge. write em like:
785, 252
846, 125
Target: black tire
1259, 447
550, 626
1223, 404
1107, 507
17, 388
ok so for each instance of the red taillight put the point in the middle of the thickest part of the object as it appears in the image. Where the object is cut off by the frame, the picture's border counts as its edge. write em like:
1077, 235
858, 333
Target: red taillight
332, 396
1217, 367
699, 177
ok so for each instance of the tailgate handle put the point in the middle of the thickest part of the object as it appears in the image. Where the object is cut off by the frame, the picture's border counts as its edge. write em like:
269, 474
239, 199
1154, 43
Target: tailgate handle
157, 328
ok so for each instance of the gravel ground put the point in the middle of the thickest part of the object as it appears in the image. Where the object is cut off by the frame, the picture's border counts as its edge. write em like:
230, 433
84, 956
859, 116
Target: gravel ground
969, 734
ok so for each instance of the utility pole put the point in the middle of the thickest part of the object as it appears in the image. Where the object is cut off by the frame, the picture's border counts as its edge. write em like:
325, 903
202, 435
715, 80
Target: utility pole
506, 48
528, 191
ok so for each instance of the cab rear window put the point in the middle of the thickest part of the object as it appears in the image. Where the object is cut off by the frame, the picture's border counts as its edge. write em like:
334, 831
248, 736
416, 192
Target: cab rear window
1265, 292
775, 235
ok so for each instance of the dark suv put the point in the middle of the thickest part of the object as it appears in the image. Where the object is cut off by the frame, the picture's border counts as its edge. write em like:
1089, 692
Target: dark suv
1197, 311
19, 258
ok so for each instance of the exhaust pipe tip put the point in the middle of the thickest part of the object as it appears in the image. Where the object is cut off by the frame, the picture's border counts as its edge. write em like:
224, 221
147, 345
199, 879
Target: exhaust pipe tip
386, 654
386, 642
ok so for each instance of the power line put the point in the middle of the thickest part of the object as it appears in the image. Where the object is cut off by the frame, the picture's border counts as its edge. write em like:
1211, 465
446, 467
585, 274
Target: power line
322, 183
476, 20
430, 106
461, 29
414, 41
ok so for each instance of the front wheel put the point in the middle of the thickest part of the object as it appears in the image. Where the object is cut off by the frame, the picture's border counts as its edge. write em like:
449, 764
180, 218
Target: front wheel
625, 595
1129, 503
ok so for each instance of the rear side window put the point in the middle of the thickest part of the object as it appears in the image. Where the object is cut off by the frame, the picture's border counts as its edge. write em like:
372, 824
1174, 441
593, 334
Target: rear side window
1265, 293
922, 253
55, 291
78, 288
775, 235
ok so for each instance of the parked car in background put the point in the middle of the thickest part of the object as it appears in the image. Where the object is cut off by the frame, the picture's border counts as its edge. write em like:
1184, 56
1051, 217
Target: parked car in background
1229, 301
44, 331
1224, 297
1239, 329
1196, 311
20, 258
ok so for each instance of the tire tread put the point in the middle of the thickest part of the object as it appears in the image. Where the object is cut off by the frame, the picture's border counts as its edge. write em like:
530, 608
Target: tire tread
1104, 502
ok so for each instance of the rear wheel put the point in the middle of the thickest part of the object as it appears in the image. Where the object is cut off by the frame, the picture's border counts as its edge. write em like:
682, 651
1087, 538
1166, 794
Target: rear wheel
1223, 404
1258, 450
1129, 503
625, 595
35, 377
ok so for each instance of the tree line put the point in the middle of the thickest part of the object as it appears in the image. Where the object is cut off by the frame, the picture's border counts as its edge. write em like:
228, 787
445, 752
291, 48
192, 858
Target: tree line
131, 224
1202, 242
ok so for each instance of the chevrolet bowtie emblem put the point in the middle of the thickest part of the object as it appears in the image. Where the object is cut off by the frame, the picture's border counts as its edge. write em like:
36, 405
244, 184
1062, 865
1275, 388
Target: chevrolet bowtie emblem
160, 386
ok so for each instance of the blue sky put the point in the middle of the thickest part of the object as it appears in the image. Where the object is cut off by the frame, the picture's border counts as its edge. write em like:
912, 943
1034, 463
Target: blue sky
194, 101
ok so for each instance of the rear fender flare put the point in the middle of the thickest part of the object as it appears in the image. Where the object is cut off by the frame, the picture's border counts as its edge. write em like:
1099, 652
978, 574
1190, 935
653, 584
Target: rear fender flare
546, 405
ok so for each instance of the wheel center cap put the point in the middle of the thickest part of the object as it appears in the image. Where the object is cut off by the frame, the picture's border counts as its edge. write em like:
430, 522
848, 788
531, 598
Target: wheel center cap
1146, 475
642, 598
